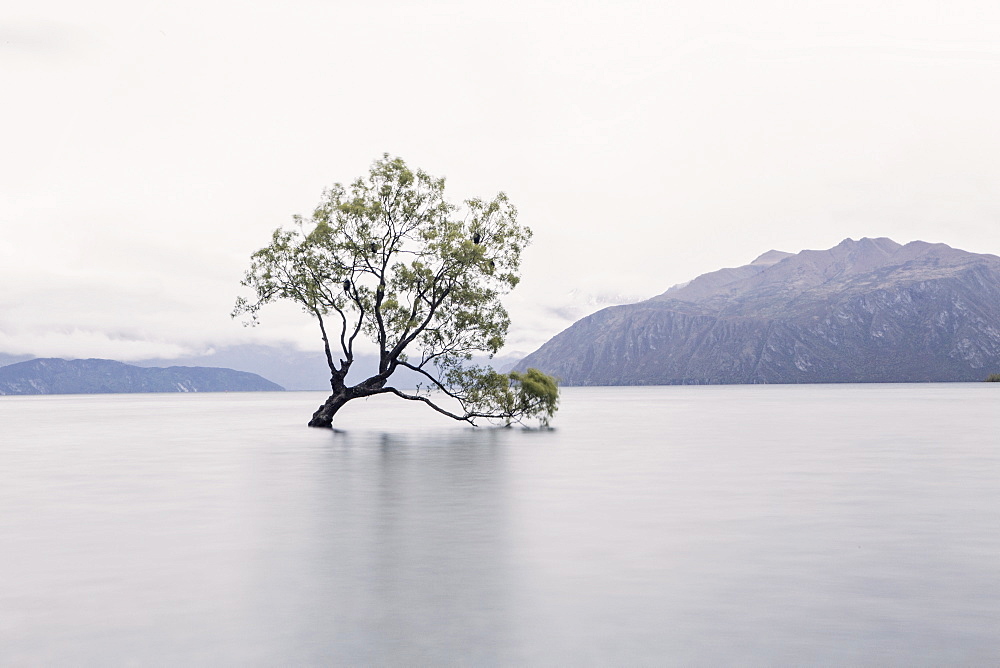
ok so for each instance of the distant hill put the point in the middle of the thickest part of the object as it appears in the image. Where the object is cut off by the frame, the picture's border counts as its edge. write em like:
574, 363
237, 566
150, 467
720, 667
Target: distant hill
6, 359
863, 311
287, 366
303, 370
291, 368
96, 376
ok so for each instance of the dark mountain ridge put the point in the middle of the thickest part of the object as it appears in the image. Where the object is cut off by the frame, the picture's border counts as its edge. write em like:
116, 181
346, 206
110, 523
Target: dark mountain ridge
863, 311
97, 376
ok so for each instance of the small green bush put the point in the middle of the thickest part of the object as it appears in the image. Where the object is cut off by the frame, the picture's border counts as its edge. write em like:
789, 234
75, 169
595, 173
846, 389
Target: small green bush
993, 378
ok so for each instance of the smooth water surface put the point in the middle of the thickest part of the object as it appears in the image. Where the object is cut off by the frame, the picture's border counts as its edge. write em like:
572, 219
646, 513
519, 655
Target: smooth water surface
749, 525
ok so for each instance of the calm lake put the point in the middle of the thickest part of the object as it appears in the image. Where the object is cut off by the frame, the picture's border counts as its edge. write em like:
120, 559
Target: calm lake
747, 525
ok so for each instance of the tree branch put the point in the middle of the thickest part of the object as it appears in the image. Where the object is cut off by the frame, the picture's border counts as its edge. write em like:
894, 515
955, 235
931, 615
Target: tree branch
326, 342
410, 397
407, 340
434, 380
469, 417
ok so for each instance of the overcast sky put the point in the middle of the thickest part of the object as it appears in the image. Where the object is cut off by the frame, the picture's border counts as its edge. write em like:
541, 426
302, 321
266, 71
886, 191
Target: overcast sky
149, 147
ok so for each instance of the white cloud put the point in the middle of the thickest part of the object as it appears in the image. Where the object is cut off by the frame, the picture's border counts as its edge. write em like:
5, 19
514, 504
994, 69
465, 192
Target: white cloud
74, 343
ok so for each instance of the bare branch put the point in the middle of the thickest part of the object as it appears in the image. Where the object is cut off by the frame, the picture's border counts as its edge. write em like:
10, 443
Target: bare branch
410, 397
326, 343
434, 380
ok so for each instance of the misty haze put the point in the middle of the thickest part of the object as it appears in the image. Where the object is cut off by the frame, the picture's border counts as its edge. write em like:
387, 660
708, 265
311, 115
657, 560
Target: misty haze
675, 355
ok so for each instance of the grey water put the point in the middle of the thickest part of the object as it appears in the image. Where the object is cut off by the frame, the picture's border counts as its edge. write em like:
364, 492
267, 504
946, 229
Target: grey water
734, 525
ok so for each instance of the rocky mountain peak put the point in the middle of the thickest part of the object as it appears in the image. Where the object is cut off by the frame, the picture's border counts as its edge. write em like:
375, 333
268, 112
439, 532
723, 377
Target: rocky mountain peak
870, 310
776, 279
771, 257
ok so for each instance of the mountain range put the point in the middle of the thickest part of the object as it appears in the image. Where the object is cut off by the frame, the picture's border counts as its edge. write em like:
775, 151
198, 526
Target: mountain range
870, 310
94, 376
287, 366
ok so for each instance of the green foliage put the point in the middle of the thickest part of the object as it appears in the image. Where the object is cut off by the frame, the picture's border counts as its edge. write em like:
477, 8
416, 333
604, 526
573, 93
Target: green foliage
536, 394
509, 397
993, 378
387, 257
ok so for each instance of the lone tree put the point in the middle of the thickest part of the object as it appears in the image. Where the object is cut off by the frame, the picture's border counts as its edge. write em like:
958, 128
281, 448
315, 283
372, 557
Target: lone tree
388, 258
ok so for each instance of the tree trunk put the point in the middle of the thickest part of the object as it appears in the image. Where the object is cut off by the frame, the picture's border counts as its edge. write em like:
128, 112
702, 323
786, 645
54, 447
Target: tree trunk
323, 417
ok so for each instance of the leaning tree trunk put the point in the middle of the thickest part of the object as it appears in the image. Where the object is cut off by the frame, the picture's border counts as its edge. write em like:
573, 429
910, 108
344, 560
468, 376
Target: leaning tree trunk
323, 417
